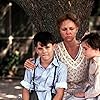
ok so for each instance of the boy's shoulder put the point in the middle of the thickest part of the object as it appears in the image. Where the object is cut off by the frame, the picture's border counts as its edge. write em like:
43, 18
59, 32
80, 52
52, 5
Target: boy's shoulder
61, 64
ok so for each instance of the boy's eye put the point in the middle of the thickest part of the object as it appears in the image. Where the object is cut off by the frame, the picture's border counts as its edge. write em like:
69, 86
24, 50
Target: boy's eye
39, 48
47, 47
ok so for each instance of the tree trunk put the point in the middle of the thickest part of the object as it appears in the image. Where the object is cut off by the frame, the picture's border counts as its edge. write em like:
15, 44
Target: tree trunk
44, 13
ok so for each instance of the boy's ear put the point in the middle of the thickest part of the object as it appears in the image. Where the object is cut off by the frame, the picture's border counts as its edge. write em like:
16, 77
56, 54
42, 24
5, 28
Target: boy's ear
36, 50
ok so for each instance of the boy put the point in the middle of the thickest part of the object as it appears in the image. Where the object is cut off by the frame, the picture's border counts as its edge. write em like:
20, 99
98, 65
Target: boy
91, 46
46, 66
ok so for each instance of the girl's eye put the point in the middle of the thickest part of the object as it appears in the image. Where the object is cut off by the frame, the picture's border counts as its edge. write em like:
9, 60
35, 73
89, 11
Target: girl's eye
85, 48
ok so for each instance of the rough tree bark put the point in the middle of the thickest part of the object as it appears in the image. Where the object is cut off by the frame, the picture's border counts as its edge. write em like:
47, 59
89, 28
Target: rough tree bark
44, 13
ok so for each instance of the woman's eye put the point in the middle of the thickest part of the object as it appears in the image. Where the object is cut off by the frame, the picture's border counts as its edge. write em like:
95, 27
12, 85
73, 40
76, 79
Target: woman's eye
71, 28
63, 29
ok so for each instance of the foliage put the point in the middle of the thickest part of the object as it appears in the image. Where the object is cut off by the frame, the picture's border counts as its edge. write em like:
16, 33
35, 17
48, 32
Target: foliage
11, 65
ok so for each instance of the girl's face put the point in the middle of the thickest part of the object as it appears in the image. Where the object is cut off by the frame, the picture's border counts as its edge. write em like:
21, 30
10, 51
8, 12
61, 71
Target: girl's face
45, 52
88, 51
68, 30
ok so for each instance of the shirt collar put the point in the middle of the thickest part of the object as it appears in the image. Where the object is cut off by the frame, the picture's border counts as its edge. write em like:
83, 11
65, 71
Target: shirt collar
54, 62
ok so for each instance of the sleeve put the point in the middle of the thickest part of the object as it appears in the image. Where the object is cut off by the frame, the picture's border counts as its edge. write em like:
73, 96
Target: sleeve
26, 82
62, 77
95, 89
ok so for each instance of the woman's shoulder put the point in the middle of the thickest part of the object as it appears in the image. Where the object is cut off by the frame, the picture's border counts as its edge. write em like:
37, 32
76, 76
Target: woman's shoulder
59, 45
61, 64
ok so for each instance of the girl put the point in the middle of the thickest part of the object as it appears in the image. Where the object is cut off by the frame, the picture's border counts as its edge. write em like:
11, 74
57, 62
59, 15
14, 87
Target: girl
91, 46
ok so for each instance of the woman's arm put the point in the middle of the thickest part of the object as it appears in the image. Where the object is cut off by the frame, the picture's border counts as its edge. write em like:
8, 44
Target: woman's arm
25, 94
29, 64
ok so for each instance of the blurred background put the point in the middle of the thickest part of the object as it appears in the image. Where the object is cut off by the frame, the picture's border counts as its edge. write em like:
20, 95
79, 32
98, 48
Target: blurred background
17, 30
16, 33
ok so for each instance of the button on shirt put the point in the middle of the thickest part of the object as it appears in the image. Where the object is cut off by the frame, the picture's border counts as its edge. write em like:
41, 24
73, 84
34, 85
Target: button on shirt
44, 78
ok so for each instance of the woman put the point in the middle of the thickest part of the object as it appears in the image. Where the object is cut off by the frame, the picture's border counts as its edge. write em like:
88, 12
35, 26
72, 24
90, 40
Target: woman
70, 52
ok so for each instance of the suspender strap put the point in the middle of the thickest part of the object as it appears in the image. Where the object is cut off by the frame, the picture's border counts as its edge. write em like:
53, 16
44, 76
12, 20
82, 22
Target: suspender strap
35, 56
33, 79
53, 87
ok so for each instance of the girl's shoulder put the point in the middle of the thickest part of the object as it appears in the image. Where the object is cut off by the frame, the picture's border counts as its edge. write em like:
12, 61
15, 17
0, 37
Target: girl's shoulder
94, 65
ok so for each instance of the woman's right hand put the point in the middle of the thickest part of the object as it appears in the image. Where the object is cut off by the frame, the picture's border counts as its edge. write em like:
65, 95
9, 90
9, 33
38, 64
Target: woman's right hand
29, 64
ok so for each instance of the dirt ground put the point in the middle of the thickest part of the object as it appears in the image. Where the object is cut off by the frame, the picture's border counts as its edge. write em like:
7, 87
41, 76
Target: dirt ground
10, 89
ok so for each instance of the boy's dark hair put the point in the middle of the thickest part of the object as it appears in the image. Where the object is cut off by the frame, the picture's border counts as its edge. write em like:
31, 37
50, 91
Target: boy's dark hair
93, 39
44, 38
